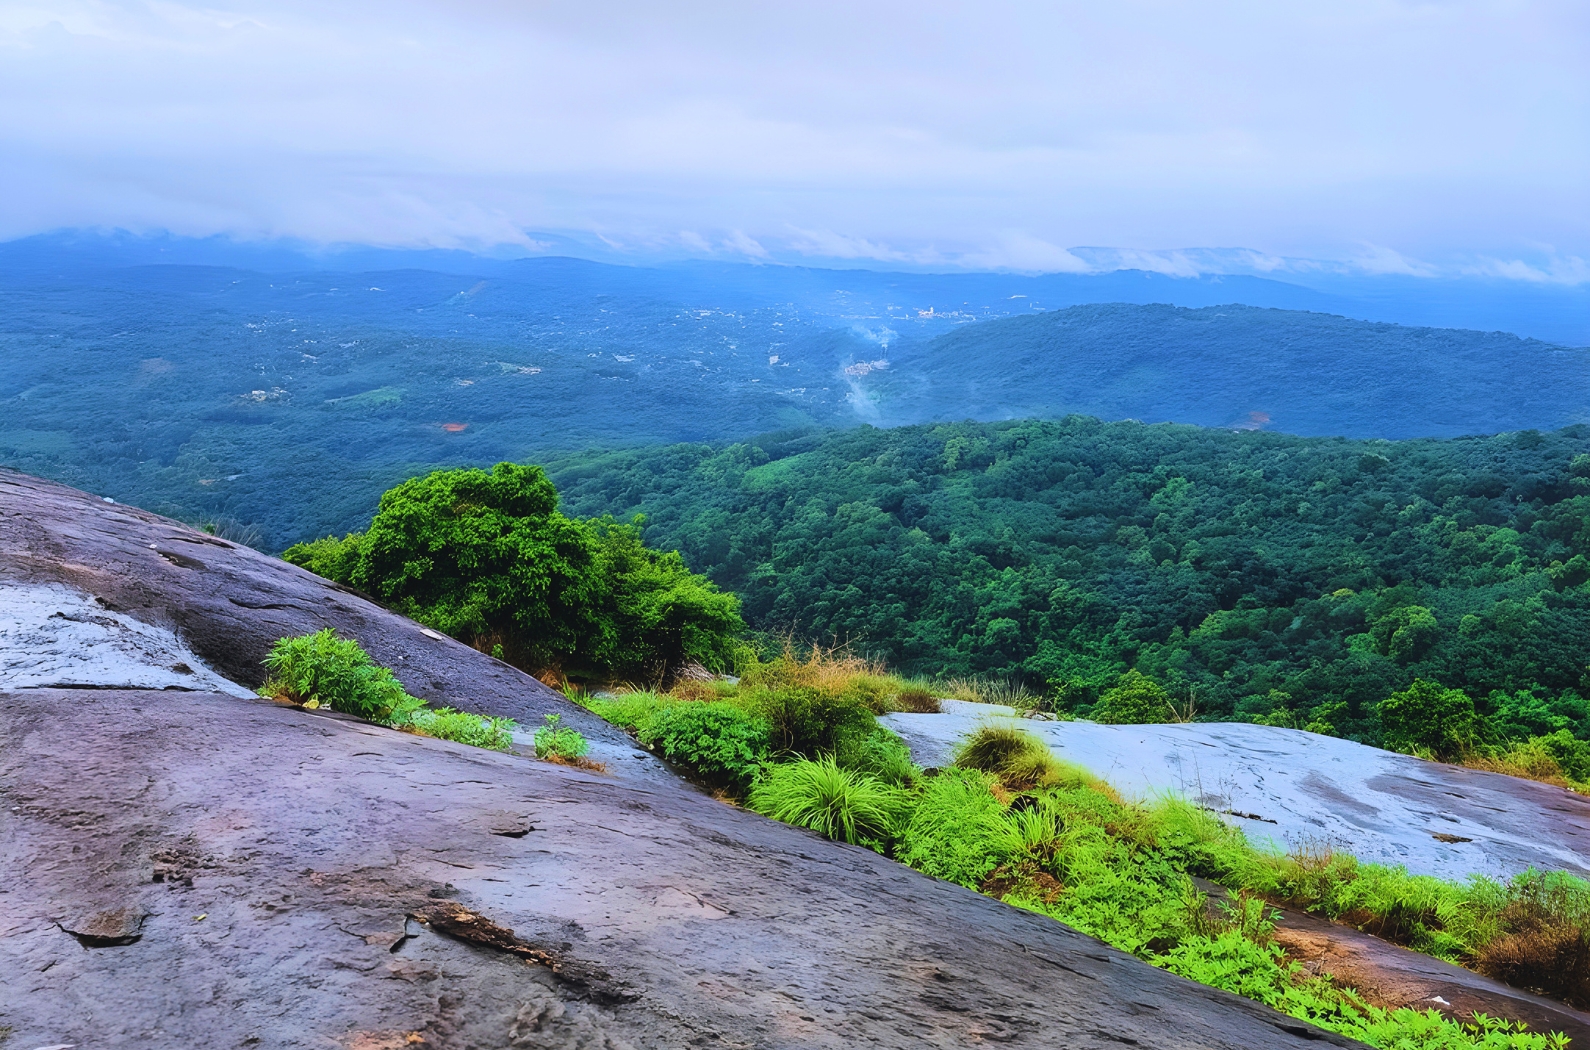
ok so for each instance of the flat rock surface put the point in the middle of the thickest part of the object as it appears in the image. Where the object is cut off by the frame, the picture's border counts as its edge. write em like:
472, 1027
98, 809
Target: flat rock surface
52, 635
196, 868
1299, 789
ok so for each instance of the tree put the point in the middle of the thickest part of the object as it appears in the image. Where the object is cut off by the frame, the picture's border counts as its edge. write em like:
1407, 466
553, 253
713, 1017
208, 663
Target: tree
489, 559
1429, 719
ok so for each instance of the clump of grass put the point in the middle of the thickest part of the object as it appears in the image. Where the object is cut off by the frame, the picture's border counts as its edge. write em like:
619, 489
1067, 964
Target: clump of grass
835, 671
1018, 759
692, 689
322, 670
969, 690
1011, 692
495, 734
827, 798
917, 699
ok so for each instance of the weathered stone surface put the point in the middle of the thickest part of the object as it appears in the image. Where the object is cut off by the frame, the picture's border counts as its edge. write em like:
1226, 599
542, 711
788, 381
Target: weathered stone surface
306, 880
1299, 789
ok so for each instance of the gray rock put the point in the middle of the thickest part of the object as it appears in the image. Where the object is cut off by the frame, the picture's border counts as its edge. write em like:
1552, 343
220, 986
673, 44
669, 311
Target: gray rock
306, 880
1293, 789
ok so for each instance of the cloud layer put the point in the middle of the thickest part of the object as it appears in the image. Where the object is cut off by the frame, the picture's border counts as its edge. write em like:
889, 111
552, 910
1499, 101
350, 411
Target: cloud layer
988, 135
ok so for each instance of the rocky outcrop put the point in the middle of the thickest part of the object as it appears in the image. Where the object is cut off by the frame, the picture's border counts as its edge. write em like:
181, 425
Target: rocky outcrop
1303, 790
186, 867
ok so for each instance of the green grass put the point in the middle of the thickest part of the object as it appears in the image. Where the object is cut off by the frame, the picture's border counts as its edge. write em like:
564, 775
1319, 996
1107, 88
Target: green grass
1011, 820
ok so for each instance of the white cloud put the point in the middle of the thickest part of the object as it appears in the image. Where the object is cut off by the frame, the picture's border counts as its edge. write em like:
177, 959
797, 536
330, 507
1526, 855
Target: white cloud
924, 134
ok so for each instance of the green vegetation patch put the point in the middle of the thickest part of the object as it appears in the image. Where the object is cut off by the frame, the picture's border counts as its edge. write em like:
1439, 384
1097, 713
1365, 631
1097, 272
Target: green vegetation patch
322, 670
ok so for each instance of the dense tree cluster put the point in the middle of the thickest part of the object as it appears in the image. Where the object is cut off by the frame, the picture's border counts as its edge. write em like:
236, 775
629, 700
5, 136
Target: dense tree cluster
488, 558
1298, 581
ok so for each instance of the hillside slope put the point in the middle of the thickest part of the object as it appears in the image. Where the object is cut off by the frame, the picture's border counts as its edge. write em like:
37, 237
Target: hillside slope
1241, 367
287, 402
191, 868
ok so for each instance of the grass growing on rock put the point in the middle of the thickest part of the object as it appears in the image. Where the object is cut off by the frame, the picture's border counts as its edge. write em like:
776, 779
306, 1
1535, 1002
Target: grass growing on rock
797, 739
322, 670
827, 798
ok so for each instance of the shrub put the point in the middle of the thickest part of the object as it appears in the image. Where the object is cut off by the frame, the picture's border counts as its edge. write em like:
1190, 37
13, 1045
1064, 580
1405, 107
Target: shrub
918, 700
495, 734
557, 741
839, 803
1135, 699
324, 670
809, 722
717, 741
1426, 719
328, 671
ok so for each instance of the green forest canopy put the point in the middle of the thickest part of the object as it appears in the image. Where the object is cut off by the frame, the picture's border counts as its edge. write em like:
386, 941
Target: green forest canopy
1292, 579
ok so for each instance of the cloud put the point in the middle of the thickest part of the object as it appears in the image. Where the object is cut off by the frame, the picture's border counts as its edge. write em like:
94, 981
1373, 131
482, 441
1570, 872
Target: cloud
926, 134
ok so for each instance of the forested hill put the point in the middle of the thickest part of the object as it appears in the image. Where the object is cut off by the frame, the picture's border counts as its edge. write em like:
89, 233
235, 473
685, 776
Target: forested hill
1237, 366
287, 402
1268, 572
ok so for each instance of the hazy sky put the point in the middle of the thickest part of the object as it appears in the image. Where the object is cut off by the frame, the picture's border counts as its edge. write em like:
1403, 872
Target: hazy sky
1396, 133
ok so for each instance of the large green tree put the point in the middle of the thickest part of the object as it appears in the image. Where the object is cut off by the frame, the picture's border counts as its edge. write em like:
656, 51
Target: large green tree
488, 558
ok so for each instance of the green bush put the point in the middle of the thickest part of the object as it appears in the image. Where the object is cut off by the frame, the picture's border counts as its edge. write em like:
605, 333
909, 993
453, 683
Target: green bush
333, 672
1426, 719
1135, 699
327, 671
839, 803
487, 557
553, 740
717, 741
810, 722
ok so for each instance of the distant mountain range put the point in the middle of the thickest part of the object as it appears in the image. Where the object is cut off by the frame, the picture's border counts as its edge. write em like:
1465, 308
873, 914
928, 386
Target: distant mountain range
1236, 367
288, 399
1553, 310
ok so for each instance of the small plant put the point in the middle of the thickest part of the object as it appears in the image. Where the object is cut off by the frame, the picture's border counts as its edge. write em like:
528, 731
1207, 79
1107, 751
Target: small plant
1136, 699
559, 742
494, 734
839, 803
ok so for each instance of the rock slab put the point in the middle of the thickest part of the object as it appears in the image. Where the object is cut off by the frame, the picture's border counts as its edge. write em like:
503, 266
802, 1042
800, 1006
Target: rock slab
189, 868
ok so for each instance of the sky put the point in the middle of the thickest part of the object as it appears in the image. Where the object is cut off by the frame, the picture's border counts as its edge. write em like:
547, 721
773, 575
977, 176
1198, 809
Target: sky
1388, 136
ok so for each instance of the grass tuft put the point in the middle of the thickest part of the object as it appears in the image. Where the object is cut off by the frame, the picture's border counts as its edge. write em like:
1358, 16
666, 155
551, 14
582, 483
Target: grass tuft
831, 800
